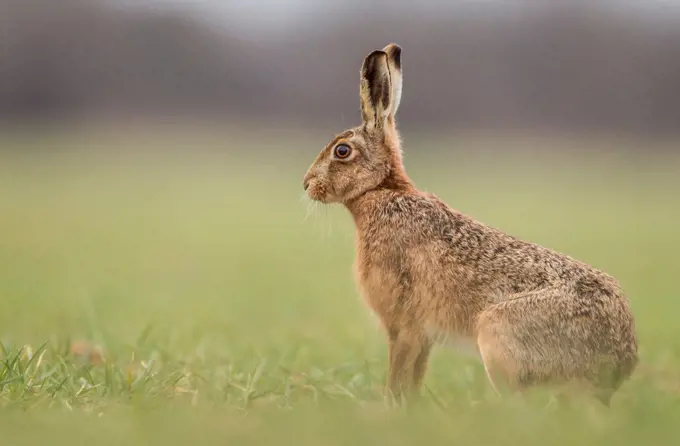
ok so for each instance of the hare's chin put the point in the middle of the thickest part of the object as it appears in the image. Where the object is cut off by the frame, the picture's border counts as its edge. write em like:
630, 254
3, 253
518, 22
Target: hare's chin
317, 195
324, 199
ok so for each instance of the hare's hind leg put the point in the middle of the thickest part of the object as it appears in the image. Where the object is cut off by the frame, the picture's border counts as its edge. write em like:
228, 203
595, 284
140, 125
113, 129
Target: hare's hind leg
543, 338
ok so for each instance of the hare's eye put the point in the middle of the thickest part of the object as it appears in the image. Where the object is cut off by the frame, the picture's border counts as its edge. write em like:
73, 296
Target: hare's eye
342, 151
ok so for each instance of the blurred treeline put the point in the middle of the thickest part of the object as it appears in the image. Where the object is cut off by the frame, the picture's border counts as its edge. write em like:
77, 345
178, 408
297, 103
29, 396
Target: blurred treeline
557, 66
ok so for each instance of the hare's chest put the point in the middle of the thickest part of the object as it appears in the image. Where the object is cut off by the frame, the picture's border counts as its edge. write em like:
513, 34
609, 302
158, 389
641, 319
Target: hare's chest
383, 279
380, 287
384, 271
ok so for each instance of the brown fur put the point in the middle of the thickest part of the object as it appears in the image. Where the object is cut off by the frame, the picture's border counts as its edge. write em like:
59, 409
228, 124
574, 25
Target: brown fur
431, 273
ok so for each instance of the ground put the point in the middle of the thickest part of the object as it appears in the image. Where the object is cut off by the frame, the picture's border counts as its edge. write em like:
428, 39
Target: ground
171, 289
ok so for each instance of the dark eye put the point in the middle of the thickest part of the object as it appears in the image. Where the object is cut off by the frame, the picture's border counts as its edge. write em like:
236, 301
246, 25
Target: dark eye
342, 151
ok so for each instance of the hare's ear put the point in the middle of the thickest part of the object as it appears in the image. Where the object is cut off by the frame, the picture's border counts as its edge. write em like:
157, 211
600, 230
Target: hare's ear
393, 52
375, 90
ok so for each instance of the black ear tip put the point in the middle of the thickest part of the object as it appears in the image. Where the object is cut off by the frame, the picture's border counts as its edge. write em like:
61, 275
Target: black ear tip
396, 56
392, 47
394, 52
376, 54
372, 60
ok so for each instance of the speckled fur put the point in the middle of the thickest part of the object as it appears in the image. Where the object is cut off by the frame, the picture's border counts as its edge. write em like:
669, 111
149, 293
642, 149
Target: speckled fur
431, 273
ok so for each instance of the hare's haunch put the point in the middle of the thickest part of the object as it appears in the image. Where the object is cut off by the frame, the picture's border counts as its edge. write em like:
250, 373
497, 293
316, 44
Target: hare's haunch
431, 273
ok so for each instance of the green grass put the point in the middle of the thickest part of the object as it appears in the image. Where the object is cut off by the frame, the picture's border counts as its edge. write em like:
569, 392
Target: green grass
227, 314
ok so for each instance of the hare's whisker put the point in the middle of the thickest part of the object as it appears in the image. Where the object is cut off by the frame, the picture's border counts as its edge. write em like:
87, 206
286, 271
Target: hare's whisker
311, 208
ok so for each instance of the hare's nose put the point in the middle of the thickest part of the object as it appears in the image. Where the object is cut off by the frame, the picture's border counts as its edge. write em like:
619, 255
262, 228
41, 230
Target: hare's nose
305, 184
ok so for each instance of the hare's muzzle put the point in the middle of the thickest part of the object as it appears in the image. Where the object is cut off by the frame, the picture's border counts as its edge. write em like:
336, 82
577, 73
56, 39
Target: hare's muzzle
307, 179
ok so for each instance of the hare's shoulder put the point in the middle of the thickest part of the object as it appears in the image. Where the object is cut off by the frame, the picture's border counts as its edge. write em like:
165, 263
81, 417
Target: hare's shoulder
420, 209
424, 216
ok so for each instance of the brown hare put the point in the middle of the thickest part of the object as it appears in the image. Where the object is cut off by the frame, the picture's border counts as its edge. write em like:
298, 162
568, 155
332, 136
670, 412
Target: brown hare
431, 274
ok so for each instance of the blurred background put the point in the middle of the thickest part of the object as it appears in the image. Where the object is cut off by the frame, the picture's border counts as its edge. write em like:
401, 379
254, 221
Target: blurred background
151, 203
607, 66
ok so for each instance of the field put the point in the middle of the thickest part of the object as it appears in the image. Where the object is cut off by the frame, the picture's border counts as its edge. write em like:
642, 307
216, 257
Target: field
224, 305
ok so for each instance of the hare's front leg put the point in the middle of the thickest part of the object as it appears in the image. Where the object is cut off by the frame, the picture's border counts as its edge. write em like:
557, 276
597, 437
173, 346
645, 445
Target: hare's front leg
408, 355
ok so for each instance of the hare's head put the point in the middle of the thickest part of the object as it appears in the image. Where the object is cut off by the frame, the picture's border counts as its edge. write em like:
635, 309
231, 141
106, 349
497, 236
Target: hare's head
368, 156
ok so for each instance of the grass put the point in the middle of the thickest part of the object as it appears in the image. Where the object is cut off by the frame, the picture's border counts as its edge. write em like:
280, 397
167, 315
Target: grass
150, 293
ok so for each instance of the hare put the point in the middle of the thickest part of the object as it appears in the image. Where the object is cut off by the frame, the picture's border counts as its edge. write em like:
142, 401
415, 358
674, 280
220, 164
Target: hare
431, 273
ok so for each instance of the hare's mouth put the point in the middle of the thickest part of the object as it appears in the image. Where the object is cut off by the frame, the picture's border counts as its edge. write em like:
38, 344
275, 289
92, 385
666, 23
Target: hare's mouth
317, 191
